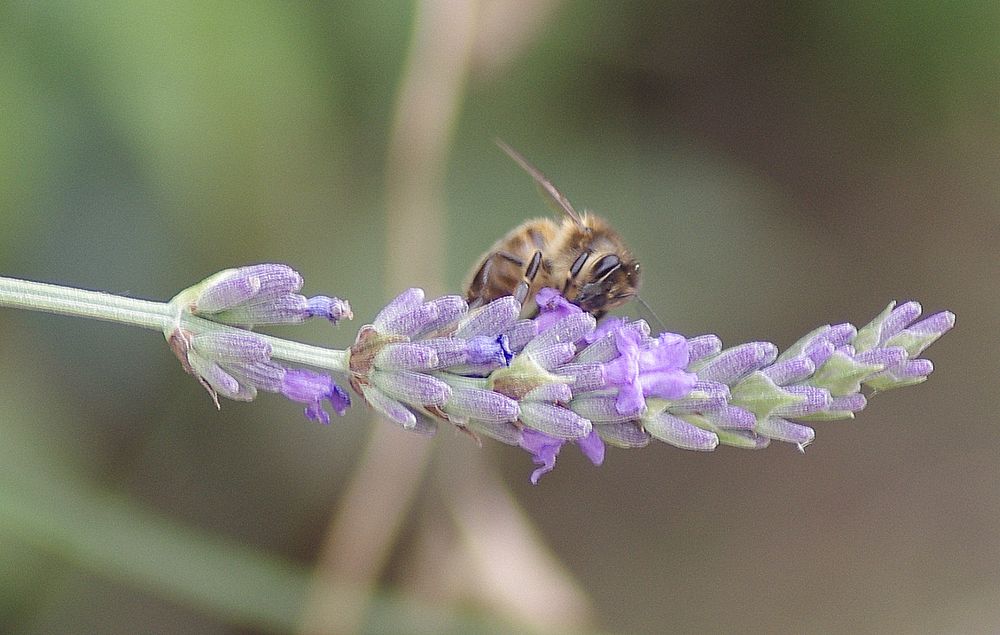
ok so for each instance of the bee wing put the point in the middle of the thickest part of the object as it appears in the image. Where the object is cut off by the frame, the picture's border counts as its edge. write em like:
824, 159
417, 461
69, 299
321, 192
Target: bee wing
552, 194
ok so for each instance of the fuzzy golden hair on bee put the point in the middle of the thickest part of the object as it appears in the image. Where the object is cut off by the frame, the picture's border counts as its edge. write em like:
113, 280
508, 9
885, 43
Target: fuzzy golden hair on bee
582, 256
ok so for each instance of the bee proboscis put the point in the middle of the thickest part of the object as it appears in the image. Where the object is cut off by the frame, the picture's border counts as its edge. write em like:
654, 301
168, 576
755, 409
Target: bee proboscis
581, 256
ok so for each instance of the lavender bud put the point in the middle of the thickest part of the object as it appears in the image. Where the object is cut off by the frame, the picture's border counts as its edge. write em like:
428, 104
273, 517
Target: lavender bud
623, 435
482, 405
219, 380
552, 356
585, 377
492, 319
568, 330
449, 309
501, 431
231, 347
600, 409
520, 334
411, 387
554, 421
736, 362
743, 439
810, 400
780, 429
406, 356
839, 408
731, 418
703, 346
679, 433
551, 393
403, 303
790, 371
389, 407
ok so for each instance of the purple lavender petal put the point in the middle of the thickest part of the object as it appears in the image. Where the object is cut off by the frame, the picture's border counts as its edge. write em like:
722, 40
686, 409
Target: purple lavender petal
667, 384
703, 346
624, 370
311, 389
737, 362
592, 447
666, 351
412, 387
898, 319
790, 370
332, 309
630, 402
605, 349
552, 308
554, 420
544, 450
492, 319
604, 329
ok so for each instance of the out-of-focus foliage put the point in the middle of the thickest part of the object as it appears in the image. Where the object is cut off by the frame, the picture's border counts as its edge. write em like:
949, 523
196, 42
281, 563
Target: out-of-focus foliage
773, 165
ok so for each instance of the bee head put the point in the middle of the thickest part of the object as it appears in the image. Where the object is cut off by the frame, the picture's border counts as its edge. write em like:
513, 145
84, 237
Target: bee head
610, 282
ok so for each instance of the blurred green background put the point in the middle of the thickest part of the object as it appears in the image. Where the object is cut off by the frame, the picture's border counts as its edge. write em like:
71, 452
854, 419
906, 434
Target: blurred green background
774, 165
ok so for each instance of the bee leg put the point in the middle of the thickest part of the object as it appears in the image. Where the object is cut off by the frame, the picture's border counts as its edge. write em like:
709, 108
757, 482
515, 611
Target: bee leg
521, 293
479, 291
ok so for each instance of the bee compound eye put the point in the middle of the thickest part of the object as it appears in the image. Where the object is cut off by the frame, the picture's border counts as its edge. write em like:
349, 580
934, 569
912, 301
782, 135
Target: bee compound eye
606, 265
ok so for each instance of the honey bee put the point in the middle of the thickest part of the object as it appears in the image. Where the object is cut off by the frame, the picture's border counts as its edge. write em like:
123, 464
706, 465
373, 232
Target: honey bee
582, 257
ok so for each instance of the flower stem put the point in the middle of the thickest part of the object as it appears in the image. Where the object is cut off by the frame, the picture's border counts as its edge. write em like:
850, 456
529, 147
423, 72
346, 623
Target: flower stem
157, 316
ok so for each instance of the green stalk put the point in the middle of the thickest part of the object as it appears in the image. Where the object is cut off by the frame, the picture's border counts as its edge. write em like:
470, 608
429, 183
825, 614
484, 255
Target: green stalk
157, 316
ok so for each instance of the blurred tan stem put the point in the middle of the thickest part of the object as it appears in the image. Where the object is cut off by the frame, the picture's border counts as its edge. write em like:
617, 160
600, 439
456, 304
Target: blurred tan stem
379, 496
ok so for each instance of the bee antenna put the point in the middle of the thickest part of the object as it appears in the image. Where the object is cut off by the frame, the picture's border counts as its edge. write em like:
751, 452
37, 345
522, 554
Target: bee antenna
659, 323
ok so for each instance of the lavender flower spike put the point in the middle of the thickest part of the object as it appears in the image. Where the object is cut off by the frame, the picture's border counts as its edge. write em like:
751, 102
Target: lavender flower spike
556, 379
